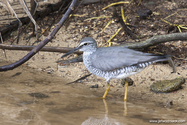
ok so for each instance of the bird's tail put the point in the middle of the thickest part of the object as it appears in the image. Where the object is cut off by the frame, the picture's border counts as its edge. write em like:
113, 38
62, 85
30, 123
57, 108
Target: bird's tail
165, 58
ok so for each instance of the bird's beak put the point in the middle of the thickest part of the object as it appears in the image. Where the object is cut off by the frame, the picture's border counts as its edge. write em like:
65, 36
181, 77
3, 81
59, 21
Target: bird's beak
68, 53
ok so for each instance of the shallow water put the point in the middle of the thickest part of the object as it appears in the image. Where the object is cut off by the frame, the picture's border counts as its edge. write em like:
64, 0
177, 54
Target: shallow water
31, 97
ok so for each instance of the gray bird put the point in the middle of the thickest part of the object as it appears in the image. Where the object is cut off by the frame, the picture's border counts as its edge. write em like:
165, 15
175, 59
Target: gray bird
114, 62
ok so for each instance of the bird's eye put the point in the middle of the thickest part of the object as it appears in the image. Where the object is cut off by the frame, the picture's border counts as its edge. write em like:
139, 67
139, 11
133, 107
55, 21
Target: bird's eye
85, 44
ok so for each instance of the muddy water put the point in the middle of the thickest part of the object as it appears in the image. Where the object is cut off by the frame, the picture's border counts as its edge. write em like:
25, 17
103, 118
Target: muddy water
32, 97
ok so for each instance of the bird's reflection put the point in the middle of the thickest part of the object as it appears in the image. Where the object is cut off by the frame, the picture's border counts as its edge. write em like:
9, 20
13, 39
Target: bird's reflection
125, 108
104, 120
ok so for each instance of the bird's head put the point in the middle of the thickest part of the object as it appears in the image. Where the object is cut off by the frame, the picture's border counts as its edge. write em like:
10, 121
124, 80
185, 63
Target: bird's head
87, 44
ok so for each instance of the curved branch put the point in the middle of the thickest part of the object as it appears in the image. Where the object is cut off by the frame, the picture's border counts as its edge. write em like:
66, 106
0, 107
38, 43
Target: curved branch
41, 44
156, 40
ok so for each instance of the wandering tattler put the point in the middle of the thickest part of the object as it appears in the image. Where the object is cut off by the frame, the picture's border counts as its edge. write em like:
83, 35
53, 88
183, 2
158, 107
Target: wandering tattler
114, 62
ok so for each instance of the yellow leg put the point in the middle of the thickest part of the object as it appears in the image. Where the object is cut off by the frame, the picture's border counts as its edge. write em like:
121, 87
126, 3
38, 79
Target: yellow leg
126, 90
106, 92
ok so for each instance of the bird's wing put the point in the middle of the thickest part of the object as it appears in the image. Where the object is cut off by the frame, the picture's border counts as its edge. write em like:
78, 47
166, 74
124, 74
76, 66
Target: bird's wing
110, 58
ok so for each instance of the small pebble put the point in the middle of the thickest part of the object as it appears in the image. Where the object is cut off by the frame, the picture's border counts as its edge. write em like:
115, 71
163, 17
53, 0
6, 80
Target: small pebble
168, 103
94, 86
129, 80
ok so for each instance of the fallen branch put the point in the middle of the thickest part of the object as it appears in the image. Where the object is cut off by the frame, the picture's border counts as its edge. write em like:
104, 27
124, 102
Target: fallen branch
46, 48
41, 44
156, 40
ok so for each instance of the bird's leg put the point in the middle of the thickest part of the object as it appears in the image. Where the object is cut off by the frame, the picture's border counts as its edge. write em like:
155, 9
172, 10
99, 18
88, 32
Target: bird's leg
106, 92
126, 90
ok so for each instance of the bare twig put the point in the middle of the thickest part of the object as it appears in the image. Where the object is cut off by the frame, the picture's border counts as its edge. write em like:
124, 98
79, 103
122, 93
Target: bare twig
13, 12
41, 44
84, 77
2, 42
34, 5
24, 5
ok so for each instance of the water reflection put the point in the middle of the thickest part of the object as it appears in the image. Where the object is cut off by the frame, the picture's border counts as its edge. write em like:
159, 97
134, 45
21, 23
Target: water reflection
15, 113
102, 119
70, 110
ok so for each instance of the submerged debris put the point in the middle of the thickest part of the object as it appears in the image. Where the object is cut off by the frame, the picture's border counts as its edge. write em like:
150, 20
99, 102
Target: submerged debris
167, 85
38, 95
168, 103
94, 86
79, 80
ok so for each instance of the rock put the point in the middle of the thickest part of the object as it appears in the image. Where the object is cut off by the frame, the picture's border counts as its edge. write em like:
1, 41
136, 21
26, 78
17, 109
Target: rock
129, 80
167, 85
94, 86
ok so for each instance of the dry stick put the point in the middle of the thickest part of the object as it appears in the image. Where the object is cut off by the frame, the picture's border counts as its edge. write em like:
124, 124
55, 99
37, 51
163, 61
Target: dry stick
84, 77
46, 48
33, 8
41, 44
2, 42
125, 27
24, 5
34, 5
156, 40
13, 12
61, 7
